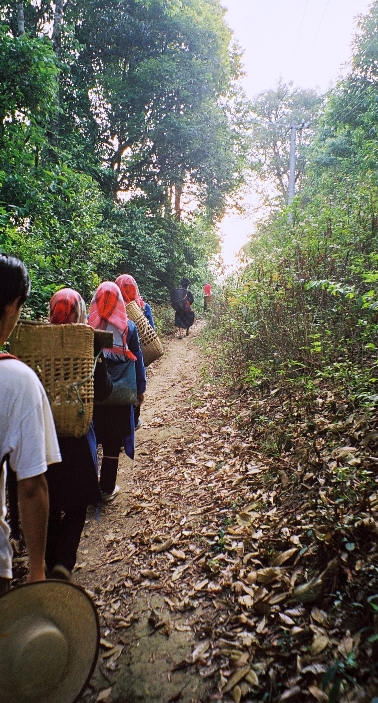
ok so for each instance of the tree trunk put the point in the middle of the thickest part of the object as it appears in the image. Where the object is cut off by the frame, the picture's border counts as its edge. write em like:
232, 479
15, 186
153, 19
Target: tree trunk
20, 19
58, 20
178, 194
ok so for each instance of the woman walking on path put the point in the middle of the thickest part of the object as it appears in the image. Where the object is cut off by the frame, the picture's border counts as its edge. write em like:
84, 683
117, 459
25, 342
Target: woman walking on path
114, 424
207, 295
184, 315
73, 484
130, 291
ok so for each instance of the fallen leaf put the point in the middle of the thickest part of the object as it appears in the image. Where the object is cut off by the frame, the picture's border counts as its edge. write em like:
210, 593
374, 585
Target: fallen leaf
286, 619
149, 574
290, 693
319, 616
235, 678
237, 694
318, 693
252, 678
163, 547
261, 625
268, 575
346, 646
284, 556
319, 643
115, 653
307, 592
199, 651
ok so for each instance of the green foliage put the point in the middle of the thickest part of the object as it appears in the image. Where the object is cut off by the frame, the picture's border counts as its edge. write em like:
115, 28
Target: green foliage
120, 142
272, 114
28, 91
305, 307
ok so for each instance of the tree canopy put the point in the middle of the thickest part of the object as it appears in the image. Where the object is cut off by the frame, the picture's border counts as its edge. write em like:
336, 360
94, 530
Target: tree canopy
124, 112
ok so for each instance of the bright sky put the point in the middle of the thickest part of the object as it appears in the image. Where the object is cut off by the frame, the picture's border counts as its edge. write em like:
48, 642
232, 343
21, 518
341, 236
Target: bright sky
306, 41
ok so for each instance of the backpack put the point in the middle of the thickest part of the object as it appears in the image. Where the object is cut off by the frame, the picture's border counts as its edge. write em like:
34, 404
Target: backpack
178, 298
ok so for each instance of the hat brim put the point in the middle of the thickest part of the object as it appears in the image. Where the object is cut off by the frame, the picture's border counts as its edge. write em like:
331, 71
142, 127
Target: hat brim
72, 611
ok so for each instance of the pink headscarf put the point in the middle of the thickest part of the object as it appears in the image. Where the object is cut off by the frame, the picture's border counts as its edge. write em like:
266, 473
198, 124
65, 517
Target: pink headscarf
207, 289
129, 289
107, 312
67, 306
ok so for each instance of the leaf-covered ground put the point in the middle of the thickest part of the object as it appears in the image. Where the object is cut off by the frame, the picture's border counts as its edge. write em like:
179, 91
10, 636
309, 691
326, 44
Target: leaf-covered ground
239, 562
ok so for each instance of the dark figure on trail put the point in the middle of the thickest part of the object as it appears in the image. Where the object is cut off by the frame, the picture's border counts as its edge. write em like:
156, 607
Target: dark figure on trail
182, 299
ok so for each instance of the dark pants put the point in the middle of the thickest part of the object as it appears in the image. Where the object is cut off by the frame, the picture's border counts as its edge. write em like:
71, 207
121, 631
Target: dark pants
63, 537
109, 464
4, 586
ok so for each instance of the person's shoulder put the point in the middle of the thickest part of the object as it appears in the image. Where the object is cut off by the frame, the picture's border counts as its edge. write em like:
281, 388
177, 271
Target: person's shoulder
17, 372
15, 366
131, 326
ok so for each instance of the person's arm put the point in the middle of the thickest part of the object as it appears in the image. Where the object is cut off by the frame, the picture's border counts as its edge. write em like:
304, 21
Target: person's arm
33, 499
103, 385
148, 314
134, 346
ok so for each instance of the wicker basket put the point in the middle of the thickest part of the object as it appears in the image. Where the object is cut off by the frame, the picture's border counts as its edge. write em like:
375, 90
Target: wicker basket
62, 357
149, 341
208, 301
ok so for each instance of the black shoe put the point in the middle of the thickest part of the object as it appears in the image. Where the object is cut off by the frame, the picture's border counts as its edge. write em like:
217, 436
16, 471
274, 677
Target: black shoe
60, 572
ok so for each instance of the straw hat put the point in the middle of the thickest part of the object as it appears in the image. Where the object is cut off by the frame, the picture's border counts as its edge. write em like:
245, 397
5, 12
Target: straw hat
49, 639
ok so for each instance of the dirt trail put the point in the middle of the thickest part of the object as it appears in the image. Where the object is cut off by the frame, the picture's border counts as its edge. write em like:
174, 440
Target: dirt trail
131, 559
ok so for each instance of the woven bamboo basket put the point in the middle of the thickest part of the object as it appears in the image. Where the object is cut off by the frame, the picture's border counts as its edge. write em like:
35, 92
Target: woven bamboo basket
207, 301
62, 357
149, 341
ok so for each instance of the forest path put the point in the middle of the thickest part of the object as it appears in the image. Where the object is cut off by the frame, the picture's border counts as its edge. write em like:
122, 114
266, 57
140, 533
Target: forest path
133, 559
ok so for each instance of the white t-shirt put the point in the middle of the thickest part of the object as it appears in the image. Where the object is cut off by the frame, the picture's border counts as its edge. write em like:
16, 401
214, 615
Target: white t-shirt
27, 434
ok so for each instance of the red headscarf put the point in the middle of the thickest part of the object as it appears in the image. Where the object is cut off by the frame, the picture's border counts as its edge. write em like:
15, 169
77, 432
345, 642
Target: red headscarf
107, 312
129, 289
67, 306
207, 289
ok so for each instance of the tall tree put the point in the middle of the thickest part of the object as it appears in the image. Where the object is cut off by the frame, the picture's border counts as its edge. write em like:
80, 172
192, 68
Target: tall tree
157, 75
274, 112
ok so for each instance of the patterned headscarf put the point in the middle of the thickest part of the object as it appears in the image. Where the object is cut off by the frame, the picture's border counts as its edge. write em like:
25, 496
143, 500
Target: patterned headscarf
129, 289
67, 306
207, 289
107, 312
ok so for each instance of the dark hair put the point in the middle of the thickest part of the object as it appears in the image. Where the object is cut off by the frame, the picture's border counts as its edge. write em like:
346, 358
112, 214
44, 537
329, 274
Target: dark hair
14, 281
185, 282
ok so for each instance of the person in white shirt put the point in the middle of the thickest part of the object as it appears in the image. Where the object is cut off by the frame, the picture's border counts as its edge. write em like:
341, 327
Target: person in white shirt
27, 433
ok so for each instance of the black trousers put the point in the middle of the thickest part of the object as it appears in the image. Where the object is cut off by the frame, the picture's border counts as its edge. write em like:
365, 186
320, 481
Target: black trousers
63, 537
109, 464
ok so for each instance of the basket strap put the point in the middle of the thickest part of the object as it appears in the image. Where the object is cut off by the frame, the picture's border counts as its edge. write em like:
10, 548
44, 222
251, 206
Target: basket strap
87, 378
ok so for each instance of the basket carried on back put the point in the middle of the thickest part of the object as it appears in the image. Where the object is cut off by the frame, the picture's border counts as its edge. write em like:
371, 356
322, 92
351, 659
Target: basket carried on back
178, 297
149, 341
63, 359
207, 301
